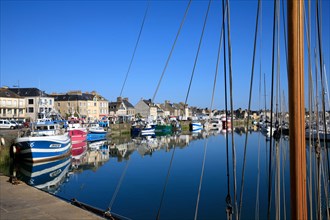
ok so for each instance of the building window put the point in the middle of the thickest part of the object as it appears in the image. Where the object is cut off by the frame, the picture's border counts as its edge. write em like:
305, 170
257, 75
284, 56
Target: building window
9, 102
20, 103
79, 104
50, 101
94, 103
30, 109
58, 104
3, 103
20, 111
68, 103
15, 103
30, 101
9, 111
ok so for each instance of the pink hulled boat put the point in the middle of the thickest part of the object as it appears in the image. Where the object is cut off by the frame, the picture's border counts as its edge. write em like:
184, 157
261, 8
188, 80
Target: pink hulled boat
78, 149
79, 152
77, 133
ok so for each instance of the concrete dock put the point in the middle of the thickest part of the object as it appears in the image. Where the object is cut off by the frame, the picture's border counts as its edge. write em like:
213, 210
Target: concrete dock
22, 201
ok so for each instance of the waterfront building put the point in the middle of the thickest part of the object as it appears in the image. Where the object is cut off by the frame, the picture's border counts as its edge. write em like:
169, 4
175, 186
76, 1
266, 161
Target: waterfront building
11, 104
122, 108
89, 105
37, 102
146, 109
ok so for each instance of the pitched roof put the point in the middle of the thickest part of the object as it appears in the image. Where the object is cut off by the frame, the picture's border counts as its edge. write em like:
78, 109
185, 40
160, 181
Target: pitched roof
148, 102
29, 92
4, 92
128, 104
76, 97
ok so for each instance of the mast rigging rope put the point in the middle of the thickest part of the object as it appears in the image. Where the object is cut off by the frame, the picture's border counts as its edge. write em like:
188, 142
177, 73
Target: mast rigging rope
136, 44
249, 106
196, 57
173, 46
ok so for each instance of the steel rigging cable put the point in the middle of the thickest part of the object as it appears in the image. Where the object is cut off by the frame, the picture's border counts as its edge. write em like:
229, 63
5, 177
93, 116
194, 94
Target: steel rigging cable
136, 44
249, 107
173, 46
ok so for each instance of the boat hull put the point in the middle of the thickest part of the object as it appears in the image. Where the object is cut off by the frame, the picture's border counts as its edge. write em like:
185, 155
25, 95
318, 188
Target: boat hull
42, 148
78, 136
96, 136
147, 131
196, 126
163, 129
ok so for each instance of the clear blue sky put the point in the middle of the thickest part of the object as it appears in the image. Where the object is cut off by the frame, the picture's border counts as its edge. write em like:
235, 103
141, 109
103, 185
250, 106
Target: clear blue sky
59, 46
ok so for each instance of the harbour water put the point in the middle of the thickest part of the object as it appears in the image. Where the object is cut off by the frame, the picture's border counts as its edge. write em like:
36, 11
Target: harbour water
143, 178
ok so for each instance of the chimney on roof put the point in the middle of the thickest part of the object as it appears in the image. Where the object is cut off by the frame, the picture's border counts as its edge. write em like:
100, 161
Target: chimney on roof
119, 99
75, 92
125, 99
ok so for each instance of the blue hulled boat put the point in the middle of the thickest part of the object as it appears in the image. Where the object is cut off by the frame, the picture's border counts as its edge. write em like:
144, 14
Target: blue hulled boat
196, 126
45, 142
96, 133
45, 175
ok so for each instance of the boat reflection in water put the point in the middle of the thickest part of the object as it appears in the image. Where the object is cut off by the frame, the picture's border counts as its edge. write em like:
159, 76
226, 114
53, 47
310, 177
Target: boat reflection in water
79, 152
47, 176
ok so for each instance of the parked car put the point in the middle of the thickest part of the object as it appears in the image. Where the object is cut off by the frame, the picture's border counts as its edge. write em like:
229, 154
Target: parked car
20, 122
15, 123
6, 124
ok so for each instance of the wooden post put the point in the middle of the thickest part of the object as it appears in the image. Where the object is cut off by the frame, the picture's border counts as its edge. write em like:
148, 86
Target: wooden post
297, 109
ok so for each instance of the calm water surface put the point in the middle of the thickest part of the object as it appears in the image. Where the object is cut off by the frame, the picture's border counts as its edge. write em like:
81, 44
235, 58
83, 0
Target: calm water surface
143, 178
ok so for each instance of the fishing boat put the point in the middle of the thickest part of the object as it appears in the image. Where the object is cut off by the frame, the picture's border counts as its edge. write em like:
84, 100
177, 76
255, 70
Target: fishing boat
78, 149
95, 133
97, 144
163, 129
96, 129
226, 123
77, 132
46, 141
148, 130
321, 134
214, 123
196, 126
46, 176
78, 152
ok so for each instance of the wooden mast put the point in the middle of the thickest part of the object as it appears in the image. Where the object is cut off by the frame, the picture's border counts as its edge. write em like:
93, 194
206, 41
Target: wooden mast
297, 109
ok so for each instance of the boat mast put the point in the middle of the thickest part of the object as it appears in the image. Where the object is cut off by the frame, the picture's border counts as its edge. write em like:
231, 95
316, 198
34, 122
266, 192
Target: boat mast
297, 109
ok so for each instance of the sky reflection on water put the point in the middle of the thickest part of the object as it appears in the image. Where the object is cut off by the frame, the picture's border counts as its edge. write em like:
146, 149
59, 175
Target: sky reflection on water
130, 177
